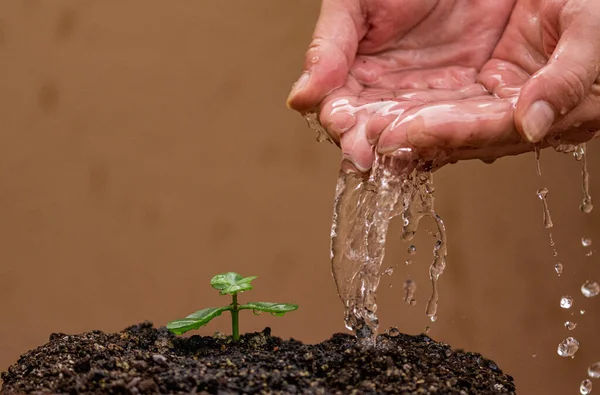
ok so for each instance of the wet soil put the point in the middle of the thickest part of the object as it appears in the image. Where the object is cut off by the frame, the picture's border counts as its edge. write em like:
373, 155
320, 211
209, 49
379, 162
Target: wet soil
146, 360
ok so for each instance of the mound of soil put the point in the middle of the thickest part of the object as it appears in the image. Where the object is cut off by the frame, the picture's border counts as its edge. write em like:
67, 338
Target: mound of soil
146, 360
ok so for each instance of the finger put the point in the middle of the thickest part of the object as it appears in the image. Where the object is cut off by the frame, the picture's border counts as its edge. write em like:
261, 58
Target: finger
565, 81
453, 125
502, 78
355, 146
332, 51
490, 154
583, 117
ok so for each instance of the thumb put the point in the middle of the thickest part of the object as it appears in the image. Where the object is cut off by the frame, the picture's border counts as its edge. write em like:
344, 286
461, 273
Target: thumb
563, 83
330, 54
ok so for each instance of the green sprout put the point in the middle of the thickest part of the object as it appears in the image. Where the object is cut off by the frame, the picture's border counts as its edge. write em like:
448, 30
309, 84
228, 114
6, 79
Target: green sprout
228, 284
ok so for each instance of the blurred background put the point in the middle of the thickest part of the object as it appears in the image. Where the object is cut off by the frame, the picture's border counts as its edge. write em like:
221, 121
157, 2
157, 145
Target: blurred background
146, 146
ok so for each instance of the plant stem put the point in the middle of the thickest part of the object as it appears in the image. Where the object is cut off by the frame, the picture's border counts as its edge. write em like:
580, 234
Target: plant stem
235, 329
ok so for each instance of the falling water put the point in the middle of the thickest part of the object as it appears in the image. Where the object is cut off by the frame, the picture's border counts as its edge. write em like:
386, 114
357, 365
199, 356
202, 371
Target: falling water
568, 347
542, 194
586, 203
586, 387
398, 185
410, 288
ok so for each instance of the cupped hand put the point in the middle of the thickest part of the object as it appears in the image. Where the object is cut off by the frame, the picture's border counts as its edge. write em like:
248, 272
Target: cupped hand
549, 59
437, 76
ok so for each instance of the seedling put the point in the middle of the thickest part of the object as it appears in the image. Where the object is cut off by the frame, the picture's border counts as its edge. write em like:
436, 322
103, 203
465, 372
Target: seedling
228, 284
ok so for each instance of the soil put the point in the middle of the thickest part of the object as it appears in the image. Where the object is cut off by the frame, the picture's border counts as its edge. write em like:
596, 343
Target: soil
146, 360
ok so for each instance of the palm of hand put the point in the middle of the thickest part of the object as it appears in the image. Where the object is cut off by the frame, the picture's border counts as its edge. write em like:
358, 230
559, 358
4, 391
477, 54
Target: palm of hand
417, 66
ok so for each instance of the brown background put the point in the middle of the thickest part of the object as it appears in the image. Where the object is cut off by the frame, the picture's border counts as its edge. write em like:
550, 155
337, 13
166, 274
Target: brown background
145, 146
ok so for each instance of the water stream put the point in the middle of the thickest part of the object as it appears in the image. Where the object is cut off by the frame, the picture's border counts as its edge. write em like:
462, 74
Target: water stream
397, 185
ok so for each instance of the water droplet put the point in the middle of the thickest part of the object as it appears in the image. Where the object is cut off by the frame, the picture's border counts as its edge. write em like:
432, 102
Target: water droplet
589, 253
534, 356
542, 194
586, 205
406, 222
566, 302
427, 329
393, 332
570, 325
586, 241
594, 370
429, 188
410, 287
412, 250
256, 312
585, 387
408, 262
389, 271
589, 289
433, 318
582, 312
578, 153
568, 347
558, 267
536, 149
312, 119
433, 234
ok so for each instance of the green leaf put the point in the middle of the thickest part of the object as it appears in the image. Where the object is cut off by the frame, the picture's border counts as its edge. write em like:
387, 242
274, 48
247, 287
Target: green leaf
247, 279
231, 283
195, 320
277, 309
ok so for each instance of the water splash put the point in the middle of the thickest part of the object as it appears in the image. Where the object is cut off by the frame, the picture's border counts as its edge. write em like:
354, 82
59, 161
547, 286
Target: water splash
363, 208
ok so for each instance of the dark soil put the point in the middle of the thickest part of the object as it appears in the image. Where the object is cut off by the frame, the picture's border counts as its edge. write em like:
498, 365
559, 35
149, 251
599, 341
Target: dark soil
145, 360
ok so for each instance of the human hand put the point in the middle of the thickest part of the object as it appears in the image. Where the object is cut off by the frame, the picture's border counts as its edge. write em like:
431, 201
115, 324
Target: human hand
407, 76
549, 57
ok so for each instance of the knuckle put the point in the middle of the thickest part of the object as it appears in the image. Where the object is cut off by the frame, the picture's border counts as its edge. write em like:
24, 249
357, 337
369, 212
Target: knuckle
572, 87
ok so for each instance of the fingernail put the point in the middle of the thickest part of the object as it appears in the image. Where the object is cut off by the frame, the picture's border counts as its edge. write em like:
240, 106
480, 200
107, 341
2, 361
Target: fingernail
359, 167
298, 85
537, 121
